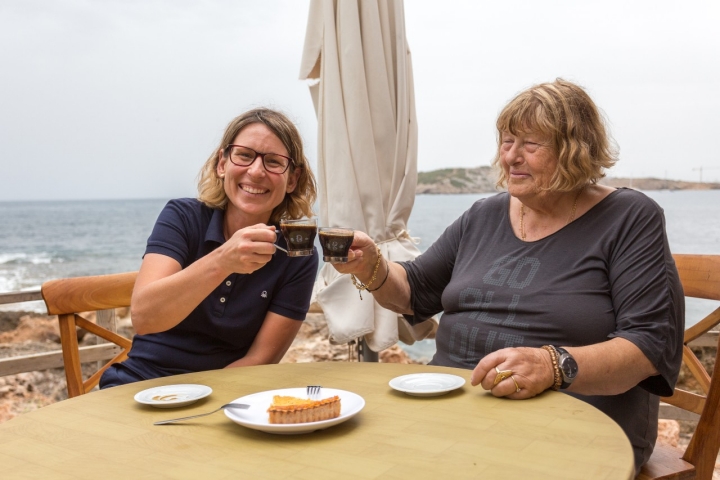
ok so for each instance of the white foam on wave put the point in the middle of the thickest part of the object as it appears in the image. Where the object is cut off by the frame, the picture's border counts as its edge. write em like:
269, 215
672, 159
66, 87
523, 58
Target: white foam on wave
40, 258
10, 280
11, 257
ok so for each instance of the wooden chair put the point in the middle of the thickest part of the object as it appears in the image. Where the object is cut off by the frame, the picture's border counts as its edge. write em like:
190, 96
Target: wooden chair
700, 276
67, 298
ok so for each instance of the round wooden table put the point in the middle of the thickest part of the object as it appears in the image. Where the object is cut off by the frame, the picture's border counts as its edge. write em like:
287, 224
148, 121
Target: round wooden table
466, 433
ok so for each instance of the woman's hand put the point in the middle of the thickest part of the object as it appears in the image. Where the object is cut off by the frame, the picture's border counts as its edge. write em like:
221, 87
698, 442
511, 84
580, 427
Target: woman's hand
607, 368
390, 287
361, 257
532, 372
248, 250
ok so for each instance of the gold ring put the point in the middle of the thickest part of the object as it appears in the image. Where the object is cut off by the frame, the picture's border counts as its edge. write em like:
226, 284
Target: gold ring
501, 375
517, 387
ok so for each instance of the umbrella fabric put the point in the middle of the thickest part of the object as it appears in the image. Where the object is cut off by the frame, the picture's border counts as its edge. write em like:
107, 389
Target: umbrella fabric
367, 151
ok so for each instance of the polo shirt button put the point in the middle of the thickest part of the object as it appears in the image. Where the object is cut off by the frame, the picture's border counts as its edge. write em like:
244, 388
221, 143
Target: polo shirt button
228, 283
222, 299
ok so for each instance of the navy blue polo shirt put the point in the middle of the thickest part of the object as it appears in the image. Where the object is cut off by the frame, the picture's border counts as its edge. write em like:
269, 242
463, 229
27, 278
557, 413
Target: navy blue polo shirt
223, 327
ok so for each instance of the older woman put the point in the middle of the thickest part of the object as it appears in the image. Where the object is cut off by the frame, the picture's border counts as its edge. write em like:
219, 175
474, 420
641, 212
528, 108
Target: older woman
560, 283
211, 291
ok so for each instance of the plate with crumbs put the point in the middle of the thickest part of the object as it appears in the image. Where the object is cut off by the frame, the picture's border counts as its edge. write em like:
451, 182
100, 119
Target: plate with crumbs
257, 418
427, 384
171, 396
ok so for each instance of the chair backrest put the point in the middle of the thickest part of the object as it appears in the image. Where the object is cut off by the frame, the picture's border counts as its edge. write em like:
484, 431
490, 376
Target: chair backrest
68, 298
700, 277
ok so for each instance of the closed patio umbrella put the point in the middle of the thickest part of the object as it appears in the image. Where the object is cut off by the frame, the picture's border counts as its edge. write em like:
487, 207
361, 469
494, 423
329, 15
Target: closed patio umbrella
367, 151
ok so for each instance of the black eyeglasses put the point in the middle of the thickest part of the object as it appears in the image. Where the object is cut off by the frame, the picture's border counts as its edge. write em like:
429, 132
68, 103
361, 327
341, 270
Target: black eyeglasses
244, 157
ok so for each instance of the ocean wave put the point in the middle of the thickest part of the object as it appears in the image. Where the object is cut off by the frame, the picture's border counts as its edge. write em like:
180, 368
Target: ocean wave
25, 258
17, 279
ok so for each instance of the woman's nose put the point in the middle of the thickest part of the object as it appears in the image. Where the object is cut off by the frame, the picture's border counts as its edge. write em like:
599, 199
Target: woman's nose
257, 168
512, 154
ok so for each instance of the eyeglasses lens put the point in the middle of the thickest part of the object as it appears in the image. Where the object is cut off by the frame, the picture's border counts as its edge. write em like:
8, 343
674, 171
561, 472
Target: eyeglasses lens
243, 156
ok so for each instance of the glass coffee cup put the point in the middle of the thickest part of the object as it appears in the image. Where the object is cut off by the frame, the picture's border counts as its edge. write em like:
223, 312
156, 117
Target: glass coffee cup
335, 242
299, 236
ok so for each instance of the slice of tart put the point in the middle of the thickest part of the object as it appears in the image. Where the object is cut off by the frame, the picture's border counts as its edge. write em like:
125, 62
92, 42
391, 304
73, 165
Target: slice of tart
285, 409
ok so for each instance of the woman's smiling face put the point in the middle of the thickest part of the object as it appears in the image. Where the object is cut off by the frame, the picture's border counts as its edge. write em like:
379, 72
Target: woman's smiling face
253, 192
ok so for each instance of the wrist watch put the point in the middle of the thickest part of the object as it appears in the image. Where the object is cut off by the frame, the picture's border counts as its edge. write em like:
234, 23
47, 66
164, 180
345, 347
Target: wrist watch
568, 366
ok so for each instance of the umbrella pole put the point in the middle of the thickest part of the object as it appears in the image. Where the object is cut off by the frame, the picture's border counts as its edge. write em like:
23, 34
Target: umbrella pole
364, 352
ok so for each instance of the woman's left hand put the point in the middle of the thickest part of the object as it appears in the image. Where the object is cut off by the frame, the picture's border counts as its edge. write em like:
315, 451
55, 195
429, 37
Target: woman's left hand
531, 372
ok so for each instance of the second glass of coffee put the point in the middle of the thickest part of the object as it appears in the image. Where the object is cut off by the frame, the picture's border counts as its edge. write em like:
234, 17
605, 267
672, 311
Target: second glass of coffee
335, 242
299, 236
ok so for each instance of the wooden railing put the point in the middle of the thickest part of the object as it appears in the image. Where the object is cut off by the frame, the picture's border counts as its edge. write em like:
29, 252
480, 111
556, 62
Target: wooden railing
53, 359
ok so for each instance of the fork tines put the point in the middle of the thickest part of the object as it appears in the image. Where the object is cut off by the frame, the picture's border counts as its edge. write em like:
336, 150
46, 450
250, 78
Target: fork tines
313, 391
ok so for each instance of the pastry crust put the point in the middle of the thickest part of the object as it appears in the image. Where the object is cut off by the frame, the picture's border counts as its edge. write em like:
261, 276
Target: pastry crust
284, 409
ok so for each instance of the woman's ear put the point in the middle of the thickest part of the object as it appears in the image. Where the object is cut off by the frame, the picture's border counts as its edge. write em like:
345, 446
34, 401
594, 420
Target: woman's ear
292, 182
220, 169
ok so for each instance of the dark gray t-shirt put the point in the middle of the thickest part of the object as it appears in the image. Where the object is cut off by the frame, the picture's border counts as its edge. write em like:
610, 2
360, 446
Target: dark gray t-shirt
608, 274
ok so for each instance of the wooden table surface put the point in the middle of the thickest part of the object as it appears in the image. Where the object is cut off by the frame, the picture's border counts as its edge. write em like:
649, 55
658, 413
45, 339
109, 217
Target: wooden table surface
466, 433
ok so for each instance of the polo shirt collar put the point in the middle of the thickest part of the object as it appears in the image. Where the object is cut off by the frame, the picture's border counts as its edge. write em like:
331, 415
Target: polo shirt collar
214, 231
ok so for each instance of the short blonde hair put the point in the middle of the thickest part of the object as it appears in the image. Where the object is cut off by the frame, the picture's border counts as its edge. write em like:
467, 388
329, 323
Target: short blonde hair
296, 204
564, 113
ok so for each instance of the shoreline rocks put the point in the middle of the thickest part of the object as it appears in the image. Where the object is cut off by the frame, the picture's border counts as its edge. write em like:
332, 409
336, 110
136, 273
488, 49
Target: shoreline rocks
482, 180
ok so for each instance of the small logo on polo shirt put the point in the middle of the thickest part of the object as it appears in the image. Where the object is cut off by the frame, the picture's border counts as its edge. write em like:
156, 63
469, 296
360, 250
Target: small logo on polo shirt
264, 294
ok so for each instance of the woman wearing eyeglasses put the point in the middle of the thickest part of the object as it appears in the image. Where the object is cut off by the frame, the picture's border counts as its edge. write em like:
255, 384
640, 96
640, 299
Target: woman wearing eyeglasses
213, 291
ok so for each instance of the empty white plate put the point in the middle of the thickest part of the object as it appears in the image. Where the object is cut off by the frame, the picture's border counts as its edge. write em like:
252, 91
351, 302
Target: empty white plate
427, 384
171, 396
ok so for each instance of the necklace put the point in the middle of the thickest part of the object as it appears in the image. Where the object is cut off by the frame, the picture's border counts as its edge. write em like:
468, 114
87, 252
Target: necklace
570, 218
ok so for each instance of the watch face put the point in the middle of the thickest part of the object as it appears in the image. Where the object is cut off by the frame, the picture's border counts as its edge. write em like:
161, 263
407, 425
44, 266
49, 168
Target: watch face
569, 367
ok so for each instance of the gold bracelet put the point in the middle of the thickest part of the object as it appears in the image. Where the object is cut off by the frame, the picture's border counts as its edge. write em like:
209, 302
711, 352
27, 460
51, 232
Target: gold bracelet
557, 376
360, 285
387, 274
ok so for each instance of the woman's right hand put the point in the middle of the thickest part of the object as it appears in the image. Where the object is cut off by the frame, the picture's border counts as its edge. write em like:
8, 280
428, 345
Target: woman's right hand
248, 249
390, 287
361, 257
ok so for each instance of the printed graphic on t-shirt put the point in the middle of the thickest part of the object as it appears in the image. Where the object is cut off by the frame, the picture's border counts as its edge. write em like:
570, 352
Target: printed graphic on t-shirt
509, 274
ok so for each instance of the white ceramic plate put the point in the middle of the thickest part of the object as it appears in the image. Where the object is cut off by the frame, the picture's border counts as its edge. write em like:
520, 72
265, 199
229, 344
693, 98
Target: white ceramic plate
257, 417
427, 384
171, 396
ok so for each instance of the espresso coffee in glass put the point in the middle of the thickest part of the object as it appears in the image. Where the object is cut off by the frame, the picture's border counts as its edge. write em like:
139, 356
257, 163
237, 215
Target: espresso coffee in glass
299, 236
335, 242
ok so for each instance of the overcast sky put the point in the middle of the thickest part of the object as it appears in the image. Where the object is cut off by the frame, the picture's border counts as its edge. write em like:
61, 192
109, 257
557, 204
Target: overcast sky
127, 98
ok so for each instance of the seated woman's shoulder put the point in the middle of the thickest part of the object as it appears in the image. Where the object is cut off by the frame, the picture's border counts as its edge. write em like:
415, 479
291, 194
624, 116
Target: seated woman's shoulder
638, 199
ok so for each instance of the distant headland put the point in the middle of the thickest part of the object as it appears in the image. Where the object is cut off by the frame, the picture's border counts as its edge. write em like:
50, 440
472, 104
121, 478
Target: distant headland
482, 180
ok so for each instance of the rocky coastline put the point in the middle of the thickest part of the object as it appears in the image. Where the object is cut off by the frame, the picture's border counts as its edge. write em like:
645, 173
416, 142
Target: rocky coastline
482, 180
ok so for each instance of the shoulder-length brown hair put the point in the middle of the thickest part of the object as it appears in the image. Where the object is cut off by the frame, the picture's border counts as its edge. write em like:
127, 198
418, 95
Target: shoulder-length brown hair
565, 114
296, 204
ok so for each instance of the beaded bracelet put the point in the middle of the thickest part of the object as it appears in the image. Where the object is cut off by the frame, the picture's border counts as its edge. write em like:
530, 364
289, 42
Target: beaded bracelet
387, 274
557, 376
360, 285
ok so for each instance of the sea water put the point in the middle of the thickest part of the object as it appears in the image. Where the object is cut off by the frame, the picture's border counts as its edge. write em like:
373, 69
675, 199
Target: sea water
43, 240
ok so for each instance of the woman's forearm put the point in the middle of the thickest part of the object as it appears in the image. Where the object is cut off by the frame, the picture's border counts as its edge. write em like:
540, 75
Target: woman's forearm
391, 288
272, 341
165, 294
609, 368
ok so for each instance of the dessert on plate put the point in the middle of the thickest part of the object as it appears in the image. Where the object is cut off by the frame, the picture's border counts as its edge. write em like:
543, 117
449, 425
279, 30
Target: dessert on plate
287, 409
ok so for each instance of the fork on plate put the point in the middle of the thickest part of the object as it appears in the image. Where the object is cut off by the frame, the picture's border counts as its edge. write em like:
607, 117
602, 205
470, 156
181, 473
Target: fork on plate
313, 391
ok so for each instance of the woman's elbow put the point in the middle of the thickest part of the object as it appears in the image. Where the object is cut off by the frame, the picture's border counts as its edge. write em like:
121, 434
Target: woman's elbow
139, 321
